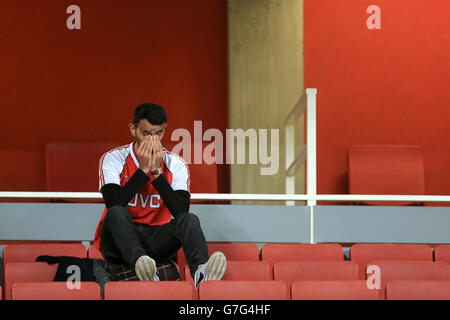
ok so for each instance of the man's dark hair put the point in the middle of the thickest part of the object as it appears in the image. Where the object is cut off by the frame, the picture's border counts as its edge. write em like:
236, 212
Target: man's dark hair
153, 113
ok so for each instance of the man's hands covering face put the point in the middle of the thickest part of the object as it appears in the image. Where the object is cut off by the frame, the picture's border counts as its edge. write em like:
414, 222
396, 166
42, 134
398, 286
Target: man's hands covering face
149, 153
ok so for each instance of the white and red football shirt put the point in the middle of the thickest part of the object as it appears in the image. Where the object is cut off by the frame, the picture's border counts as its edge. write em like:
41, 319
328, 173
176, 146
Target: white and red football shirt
147, 207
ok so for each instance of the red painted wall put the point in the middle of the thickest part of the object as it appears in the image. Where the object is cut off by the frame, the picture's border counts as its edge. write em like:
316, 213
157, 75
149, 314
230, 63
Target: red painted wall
387, 86
83, 85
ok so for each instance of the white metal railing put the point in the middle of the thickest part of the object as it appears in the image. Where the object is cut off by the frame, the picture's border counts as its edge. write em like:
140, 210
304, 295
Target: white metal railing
307, 102
294, 162
241, 196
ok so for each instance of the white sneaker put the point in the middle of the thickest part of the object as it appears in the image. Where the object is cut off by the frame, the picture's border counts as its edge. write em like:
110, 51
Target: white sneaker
213, 269
145, 269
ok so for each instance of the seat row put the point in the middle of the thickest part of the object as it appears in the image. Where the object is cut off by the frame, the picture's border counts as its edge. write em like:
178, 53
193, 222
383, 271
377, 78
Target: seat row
270, 253
233, 290
362, 254
287, 272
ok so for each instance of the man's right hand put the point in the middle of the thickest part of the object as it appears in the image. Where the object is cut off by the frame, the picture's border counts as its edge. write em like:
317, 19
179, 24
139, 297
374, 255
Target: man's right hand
143, 154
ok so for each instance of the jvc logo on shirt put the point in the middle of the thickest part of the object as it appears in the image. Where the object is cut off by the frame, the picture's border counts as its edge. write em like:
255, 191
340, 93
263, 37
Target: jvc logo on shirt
151, 200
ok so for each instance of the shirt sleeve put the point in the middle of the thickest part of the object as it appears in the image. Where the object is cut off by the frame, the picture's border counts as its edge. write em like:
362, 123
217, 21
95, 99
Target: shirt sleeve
177, 201
113, 194
180, 176
110, 168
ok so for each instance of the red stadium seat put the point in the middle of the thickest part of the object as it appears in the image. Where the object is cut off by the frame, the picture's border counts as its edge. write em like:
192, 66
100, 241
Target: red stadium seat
236, 251
276, 252
14, 160
290, 271
55, 291
403, 270
442, 253
148, 290
240, 270
233, 251
418, 290
386, 169
83, 161
333, 290
203, 180
242, 290
362, 254
29, 252
27, 272
24, 252
94, 253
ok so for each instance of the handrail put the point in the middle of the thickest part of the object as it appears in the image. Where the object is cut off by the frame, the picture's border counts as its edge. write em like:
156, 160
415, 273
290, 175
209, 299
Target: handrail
297, 111
240, 196
306, 103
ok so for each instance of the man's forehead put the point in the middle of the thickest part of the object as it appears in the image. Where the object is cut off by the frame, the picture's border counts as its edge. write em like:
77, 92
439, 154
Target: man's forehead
145, 125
